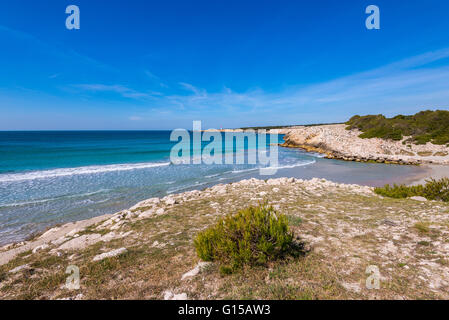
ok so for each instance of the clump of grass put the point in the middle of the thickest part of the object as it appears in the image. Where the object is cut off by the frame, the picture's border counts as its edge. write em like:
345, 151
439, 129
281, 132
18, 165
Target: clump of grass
252, 236
432, 190
24, 254
441, 154
2, 275
422, 227
294, 221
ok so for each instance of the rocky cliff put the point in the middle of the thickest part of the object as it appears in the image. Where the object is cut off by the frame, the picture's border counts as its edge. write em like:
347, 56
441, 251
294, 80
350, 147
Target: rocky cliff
338, 143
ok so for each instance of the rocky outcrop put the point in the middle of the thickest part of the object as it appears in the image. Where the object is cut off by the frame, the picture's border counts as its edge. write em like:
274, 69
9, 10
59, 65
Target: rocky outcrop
80, 235
147, 251
335, 142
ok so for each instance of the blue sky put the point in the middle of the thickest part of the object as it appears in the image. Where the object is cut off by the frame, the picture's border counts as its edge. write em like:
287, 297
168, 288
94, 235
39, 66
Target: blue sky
161, 64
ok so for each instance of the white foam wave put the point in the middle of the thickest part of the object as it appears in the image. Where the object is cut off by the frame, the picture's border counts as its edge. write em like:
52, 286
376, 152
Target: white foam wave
294, 165
285, 166
317, 155
217, 174
20, 204
213, 175
245, 170
55, 173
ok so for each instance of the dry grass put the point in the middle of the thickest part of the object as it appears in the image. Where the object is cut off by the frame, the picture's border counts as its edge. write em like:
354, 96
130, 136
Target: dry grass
422, 227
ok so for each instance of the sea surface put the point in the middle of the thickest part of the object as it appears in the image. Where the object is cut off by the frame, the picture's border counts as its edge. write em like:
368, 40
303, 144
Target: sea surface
48, 178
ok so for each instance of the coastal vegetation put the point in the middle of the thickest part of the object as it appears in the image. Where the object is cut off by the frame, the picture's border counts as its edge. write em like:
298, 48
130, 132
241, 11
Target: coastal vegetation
432, 190
253, 236
423, 127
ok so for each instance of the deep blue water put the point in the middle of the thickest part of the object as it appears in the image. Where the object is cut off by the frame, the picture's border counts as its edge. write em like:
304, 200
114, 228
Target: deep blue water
56, 177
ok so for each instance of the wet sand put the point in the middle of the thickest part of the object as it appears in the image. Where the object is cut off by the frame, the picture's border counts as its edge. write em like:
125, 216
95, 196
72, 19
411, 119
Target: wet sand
431, 171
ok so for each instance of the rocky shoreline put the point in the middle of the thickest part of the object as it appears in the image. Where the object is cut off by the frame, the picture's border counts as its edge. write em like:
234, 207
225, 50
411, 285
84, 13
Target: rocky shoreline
146, 252
335, 142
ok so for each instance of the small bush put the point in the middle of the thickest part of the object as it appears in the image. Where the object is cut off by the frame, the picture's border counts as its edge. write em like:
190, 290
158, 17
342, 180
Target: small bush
252, 236
398, 191
432, 190
437, 189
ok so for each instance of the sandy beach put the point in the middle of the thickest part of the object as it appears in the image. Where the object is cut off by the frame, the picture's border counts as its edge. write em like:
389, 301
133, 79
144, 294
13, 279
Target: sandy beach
432, 171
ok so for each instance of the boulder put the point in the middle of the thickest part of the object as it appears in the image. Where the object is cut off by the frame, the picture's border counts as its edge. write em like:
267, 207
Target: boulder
418, 198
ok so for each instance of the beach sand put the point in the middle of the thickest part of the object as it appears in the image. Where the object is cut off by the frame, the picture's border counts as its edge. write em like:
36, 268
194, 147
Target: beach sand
432, 171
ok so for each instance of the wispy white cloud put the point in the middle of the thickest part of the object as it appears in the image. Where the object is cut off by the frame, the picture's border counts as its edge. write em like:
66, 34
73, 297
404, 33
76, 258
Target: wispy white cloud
151, 75
192, 88
135, 118
155, 79
119, 89
403, 86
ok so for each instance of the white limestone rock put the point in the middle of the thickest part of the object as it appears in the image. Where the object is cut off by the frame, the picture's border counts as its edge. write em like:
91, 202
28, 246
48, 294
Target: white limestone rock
200, 266
110, 254
19, 268
416, 198
41, 247
168, 295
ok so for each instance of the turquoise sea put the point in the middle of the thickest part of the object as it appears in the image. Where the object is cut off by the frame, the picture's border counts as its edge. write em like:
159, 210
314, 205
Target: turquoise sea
53, 177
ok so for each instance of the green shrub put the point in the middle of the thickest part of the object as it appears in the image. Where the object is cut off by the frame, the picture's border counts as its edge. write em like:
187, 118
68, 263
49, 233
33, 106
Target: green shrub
252, 236
396, 191
423, 127
432, 190
437, 189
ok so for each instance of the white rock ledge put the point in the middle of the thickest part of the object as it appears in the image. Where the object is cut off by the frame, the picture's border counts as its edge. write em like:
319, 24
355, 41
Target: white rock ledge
110, 254
200, 266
